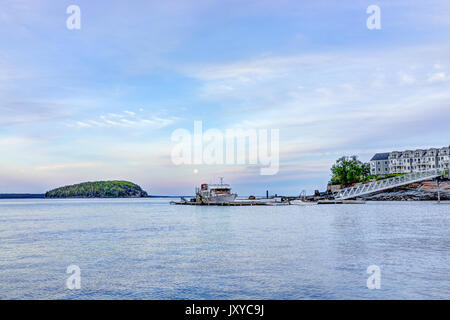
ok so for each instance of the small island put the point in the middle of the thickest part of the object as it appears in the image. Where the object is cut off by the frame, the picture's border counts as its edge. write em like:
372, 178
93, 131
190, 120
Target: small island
99, 189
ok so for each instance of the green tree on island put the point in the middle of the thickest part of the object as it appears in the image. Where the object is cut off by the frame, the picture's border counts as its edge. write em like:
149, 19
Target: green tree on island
99, 189
349, 170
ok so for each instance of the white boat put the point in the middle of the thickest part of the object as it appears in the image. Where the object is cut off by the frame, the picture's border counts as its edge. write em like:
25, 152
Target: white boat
272, 203
276, 201
301, 203
215, 193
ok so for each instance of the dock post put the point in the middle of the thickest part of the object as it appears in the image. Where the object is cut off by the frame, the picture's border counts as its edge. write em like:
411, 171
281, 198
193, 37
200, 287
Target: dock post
438, 191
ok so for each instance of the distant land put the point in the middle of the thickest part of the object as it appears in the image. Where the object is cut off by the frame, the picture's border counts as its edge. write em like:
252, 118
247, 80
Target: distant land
99, 189
21, 196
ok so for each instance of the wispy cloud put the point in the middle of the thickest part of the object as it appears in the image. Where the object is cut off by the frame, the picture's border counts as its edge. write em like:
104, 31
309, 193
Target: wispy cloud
67, 166
438, 77
326, 103
127, 119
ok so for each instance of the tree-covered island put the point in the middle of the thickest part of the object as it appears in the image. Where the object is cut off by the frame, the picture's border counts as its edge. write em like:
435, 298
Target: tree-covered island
99, 189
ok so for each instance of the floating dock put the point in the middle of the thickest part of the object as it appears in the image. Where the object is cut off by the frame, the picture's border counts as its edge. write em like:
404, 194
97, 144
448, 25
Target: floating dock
341, 202
233, 204
185, 202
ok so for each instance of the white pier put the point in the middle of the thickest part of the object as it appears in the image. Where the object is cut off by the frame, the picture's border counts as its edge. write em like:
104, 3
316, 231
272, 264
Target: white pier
386, 184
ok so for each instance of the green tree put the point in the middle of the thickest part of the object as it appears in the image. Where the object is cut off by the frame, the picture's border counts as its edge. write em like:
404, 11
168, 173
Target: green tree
349, 170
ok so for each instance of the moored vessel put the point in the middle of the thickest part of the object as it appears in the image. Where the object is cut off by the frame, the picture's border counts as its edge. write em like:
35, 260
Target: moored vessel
214, 193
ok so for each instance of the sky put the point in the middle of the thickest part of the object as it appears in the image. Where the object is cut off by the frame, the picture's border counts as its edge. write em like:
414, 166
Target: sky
102, 102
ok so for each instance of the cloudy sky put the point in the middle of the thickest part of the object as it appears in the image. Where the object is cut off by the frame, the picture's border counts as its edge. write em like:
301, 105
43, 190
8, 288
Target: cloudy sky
102, 102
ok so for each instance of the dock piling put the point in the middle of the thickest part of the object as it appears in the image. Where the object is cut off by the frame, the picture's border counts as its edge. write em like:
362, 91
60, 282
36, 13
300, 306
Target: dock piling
438, 190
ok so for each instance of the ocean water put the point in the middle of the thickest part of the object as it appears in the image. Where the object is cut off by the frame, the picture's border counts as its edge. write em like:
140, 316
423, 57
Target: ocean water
148, 249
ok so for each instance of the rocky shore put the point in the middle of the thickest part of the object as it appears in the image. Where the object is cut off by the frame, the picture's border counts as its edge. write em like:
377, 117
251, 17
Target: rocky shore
423, 191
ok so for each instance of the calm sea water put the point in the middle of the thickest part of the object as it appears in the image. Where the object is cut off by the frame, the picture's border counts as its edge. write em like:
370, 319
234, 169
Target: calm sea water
148, 249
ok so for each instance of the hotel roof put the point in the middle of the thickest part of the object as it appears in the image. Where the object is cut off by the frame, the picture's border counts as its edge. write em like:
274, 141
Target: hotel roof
380, 156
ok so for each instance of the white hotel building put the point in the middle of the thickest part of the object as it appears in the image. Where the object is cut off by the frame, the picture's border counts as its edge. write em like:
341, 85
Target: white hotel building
410, 161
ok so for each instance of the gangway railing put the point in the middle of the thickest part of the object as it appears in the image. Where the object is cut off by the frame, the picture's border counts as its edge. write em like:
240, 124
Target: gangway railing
385, 184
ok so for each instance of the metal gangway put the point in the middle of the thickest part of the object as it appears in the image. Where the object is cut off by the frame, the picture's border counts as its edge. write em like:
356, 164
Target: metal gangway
386, 184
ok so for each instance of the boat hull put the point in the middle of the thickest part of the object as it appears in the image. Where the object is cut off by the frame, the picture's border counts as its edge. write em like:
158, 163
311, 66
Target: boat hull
222, 198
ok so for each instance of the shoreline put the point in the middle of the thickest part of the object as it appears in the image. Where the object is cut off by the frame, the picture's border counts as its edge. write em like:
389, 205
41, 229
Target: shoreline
42, 196
423, 191
373, 199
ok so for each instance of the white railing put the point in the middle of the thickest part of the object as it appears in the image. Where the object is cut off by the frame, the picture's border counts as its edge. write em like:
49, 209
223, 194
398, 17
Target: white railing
388, 183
